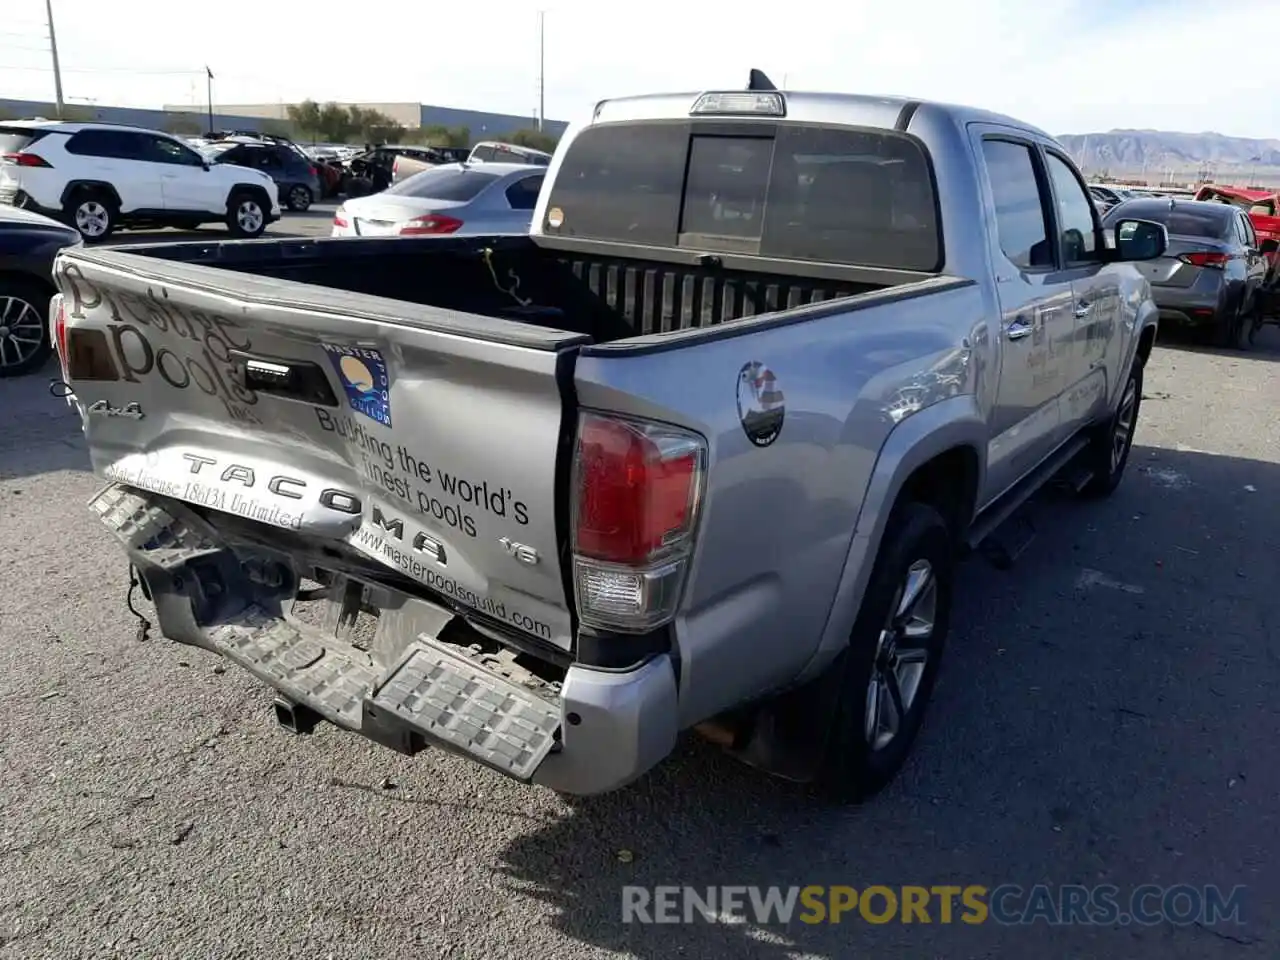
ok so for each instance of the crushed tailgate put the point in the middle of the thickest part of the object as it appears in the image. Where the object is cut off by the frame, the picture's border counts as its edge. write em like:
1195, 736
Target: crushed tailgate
432, 452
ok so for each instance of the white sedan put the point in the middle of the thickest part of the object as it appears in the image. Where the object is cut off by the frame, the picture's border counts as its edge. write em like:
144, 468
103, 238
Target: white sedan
454, 198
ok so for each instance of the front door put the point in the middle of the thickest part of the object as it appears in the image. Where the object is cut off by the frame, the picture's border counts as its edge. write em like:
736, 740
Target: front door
1036, 316
188, 186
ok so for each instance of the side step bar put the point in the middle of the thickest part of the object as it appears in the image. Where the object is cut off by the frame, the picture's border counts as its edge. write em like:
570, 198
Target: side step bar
995, 516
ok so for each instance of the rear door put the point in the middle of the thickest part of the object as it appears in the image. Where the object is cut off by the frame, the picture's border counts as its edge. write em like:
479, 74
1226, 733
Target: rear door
121, 158
369, 427
1036, 316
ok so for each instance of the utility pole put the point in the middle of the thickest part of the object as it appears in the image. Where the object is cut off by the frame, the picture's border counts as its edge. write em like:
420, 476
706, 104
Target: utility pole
542, 69
53, 49
208, 74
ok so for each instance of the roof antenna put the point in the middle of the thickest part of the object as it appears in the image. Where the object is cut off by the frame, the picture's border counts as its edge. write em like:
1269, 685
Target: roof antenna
759, 81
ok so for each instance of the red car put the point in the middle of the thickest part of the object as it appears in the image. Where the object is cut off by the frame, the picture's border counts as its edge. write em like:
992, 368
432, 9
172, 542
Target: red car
1261, 205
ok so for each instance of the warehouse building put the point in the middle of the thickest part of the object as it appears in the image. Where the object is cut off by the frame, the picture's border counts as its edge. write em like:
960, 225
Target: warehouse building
189, 118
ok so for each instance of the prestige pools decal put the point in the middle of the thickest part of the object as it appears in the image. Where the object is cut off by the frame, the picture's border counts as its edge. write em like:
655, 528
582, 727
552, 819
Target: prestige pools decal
363, 373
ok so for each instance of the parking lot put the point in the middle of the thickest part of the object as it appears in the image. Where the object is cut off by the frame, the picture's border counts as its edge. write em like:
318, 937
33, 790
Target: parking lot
317, 221
1107, 714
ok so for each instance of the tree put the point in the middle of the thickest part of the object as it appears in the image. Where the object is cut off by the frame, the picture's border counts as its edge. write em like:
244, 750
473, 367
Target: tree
306, 116
374, 126
335, 122
536, 139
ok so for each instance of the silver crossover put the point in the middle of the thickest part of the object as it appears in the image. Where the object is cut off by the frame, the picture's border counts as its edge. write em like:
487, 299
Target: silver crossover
451, 199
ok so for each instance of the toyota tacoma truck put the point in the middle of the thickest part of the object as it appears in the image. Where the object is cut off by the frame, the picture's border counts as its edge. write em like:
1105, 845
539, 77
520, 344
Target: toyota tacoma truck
701, 451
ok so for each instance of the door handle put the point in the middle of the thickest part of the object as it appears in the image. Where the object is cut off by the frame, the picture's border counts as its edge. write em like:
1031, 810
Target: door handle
1082, 309
1019, 328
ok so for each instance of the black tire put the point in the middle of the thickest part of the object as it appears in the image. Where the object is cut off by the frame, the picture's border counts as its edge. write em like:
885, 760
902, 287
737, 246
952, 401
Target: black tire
299, 198
247, 214
1236, 330
24, 318
1108, 453
853, 770
93, 213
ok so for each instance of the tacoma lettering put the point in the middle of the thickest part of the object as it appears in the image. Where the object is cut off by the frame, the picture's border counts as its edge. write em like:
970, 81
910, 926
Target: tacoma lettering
281, 485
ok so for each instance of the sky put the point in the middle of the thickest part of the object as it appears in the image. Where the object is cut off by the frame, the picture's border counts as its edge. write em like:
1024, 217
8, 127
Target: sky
1068, 66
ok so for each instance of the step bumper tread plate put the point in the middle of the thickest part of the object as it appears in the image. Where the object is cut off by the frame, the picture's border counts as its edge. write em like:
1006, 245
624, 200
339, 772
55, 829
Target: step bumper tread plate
443, 696
460, 705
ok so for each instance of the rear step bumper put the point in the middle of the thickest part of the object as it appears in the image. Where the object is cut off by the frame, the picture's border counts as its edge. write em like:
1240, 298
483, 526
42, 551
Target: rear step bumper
598, 732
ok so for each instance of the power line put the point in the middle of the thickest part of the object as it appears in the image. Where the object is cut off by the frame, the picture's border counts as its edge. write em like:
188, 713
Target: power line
100, 70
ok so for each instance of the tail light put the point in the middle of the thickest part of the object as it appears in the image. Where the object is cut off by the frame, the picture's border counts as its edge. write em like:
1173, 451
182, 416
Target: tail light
1207, 258
58, 328
431, 224
314, 171
340, 218
638, 490
24, 160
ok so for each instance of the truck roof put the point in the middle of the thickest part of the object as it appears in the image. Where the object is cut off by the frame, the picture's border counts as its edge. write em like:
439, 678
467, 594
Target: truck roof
842, 108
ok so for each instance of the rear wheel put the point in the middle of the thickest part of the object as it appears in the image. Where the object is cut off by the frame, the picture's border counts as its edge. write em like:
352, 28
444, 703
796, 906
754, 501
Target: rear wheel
246, 216
1237, 331
891, 664
299, 198
93, 213
24, 327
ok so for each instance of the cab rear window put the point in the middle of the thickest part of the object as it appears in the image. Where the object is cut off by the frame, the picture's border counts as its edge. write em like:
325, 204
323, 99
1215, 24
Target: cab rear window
787, 191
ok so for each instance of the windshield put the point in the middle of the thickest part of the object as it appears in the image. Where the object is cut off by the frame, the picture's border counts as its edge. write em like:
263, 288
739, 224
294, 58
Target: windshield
443, 183
214, 150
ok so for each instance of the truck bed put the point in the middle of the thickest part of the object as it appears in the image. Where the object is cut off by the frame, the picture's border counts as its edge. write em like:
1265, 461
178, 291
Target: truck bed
604, 297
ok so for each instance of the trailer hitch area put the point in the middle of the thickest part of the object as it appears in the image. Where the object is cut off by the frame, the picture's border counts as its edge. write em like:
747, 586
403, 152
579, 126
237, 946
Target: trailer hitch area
295, 717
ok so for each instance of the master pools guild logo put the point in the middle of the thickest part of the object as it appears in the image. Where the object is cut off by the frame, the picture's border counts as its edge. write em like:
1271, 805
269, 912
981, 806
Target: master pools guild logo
761, 406
363, 373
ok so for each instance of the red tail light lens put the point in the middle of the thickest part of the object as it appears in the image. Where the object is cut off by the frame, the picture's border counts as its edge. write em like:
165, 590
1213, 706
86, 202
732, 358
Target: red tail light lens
340, 218
636, 494
638, 489
58, 325
433, 224
24, 160
1206, 258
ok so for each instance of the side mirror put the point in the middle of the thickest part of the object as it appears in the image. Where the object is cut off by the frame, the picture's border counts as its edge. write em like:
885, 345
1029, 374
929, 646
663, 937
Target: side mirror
206, 166
1138, 240
1268, 247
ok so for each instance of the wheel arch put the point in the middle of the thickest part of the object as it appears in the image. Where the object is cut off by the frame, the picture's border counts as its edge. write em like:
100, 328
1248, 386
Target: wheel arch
76, 187
257, 190
919, 458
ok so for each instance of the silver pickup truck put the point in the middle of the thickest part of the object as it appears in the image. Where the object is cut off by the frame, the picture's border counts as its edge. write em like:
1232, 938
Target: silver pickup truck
700, 452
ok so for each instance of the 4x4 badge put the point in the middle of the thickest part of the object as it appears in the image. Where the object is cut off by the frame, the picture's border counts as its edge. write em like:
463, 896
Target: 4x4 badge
100, 408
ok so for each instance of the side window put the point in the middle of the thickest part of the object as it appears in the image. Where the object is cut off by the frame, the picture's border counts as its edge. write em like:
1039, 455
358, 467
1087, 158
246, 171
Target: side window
1075, 213
164, 150
1020, 219
1246, 229
100, 143
523, 194
482, 153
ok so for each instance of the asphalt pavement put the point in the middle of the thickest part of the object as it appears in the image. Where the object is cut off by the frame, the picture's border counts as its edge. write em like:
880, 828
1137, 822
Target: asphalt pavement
317, 221
1107, 714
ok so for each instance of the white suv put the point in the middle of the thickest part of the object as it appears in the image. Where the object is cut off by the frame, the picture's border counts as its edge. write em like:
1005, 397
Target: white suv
100, 176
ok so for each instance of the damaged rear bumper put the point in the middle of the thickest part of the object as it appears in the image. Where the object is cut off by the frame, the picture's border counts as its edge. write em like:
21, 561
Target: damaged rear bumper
587, 731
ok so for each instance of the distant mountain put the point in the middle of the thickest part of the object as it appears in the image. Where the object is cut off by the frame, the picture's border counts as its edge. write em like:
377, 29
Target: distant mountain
1129, 152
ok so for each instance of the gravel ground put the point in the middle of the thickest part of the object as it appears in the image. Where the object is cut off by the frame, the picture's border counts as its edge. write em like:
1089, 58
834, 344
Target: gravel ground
1107, 714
